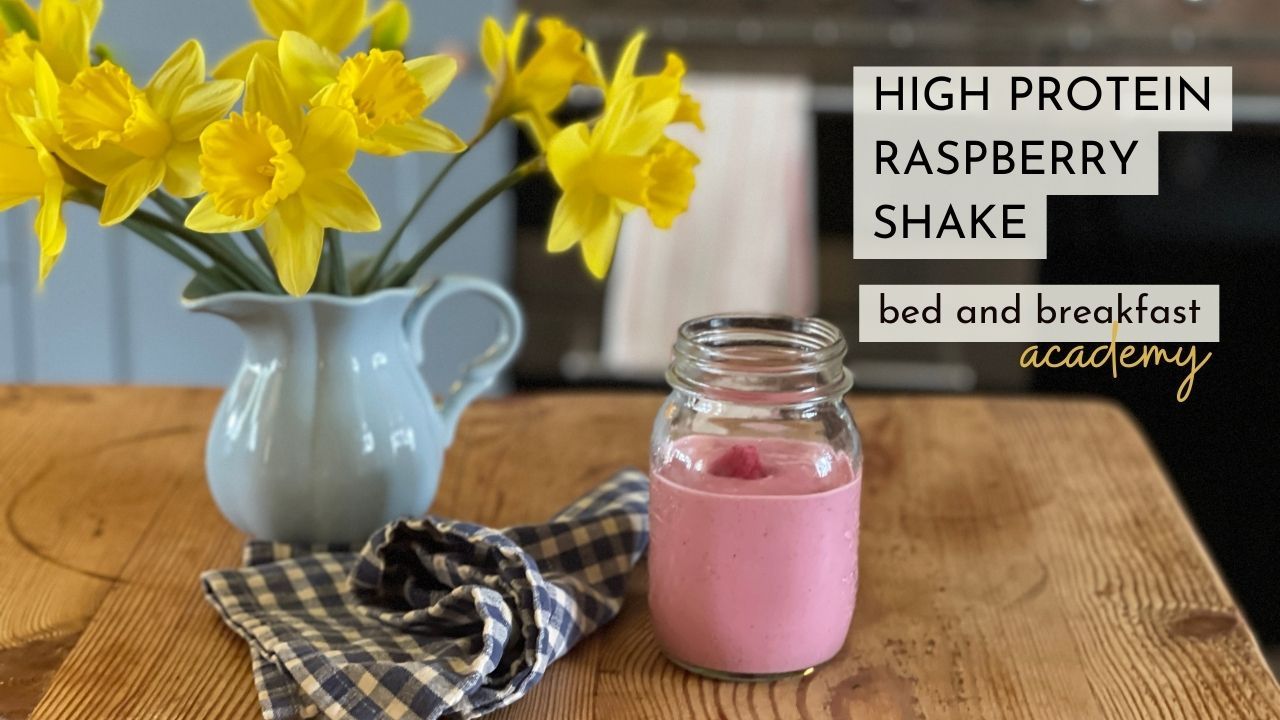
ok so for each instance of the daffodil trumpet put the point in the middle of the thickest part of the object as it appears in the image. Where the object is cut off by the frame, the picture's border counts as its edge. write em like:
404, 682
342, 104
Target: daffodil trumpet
244, 174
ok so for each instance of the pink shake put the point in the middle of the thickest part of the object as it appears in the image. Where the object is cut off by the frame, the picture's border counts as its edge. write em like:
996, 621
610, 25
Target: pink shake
753, 576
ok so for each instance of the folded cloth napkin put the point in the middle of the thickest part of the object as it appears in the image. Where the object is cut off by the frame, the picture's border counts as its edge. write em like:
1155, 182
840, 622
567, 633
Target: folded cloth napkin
432, 618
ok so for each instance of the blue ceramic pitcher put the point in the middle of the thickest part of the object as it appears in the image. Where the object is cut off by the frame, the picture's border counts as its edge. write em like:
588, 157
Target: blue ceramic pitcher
329, 429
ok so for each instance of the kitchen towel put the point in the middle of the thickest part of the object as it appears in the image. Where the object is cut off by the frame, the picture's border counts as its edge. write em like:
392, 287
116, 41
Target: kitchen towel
747, 243
432, 618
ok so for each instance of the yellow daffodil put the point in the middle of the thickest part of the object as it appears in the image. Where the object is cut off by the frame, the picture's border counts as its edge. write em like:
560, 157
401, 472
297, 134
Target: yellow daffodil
385, 94
532, 91
28, 171
334, 24
153, 132
31, 173
39, 117
60, 32
66, 29
624, 162
653, 88
273, 166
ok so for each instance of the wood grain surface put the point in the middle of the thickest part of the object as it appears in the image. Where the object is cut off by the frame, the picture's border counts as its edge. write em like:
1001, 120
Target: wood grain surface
1020, 559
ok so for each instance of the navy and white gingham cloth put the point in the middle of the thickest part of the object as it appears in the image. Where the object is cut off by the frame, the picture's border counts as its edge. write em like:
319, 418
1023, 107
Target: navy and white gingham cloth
432, 618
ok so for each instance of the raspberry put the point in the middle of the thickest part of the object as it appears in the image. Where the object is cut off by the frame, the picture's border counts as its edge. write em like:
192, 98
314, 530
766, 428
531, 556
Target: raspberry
739, 461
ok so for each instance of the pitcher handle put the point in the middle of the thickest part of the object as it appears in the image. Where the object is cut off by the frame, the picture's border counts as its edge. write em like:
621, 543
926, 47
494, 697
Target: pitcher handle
480, 373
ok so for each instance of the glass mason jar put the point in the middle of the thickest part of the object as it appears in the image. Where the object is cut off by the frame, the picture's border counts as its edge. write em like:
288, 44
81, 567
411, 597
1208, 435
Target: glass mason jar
755, 479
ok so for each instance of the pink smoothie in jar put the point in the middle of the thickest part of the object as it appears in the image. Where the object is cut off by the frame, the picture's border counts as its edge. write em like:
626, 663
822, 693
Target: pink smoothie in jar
753, 557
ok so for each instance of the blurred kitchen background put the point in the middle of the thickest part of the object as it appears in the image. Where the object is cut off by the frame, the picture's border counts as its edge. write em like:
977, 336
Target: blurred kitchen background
771, 225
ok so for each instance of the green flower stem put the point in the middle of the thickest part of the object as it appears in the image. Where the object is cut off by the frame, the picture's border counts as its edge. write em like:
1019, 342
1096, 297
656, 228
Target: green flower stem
219, 247
338, 263
224, 253
418, 204
260, 249
381, 259
405, 272
176, 209
217, 277
324, 276
210, 274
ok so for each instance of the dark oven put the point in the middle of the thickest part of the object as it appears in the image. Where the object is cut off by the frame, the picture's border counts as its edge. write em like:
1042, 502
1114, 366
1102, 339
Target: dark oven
1215, 220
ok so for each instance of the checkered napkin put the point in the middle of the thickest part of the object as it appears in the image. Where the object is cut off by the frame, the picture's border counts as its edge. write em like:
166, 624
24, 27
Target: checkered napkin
432, 618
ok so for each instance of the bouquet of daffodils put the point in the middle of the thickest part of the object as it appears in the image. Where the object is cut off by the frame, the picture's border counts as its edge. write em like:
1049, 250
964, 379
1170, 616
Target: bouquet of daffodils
244, 175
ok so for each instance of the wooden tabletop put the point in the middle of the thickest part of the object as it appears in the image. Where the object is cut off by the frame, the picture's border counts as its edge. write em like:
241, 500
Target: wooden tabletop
1020, 558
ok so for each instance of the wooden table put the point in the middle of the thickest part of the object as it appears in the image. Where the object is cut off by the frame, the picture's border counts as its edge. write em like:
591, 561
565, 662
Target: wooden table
1020, 558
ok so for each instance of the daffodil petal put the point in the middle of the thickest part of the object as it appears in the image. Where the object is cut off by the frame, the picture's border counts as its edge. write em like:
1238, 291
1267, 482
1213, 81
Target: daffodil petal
182, 170
100, 164
626, 68
47, 89
306, 65
690, 110
373, 146
9, 200
22, 179
336, 23
552, 70
51, 228
492, 44
434, 73
184, 69
619, 111
599, 244
202, 106
92, 10
265, 93
295, 242
129, 188
577, 213
329, 140
275, 16
12, 131
593, 61
515, 40
333, 23
205, 218
236, 65
65, 29
645, 129
334, 200
567, 155
417, 135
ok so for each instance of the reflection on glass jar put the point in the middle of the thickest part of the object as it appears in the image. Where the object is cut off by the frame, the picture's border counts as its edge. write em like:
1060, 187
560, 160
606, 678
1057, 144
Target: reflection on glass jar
755, 487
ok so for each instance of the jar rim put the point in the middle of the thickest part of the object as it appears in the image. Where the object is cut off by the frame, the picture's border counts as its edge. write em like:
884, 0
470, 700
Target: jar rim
713, 351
